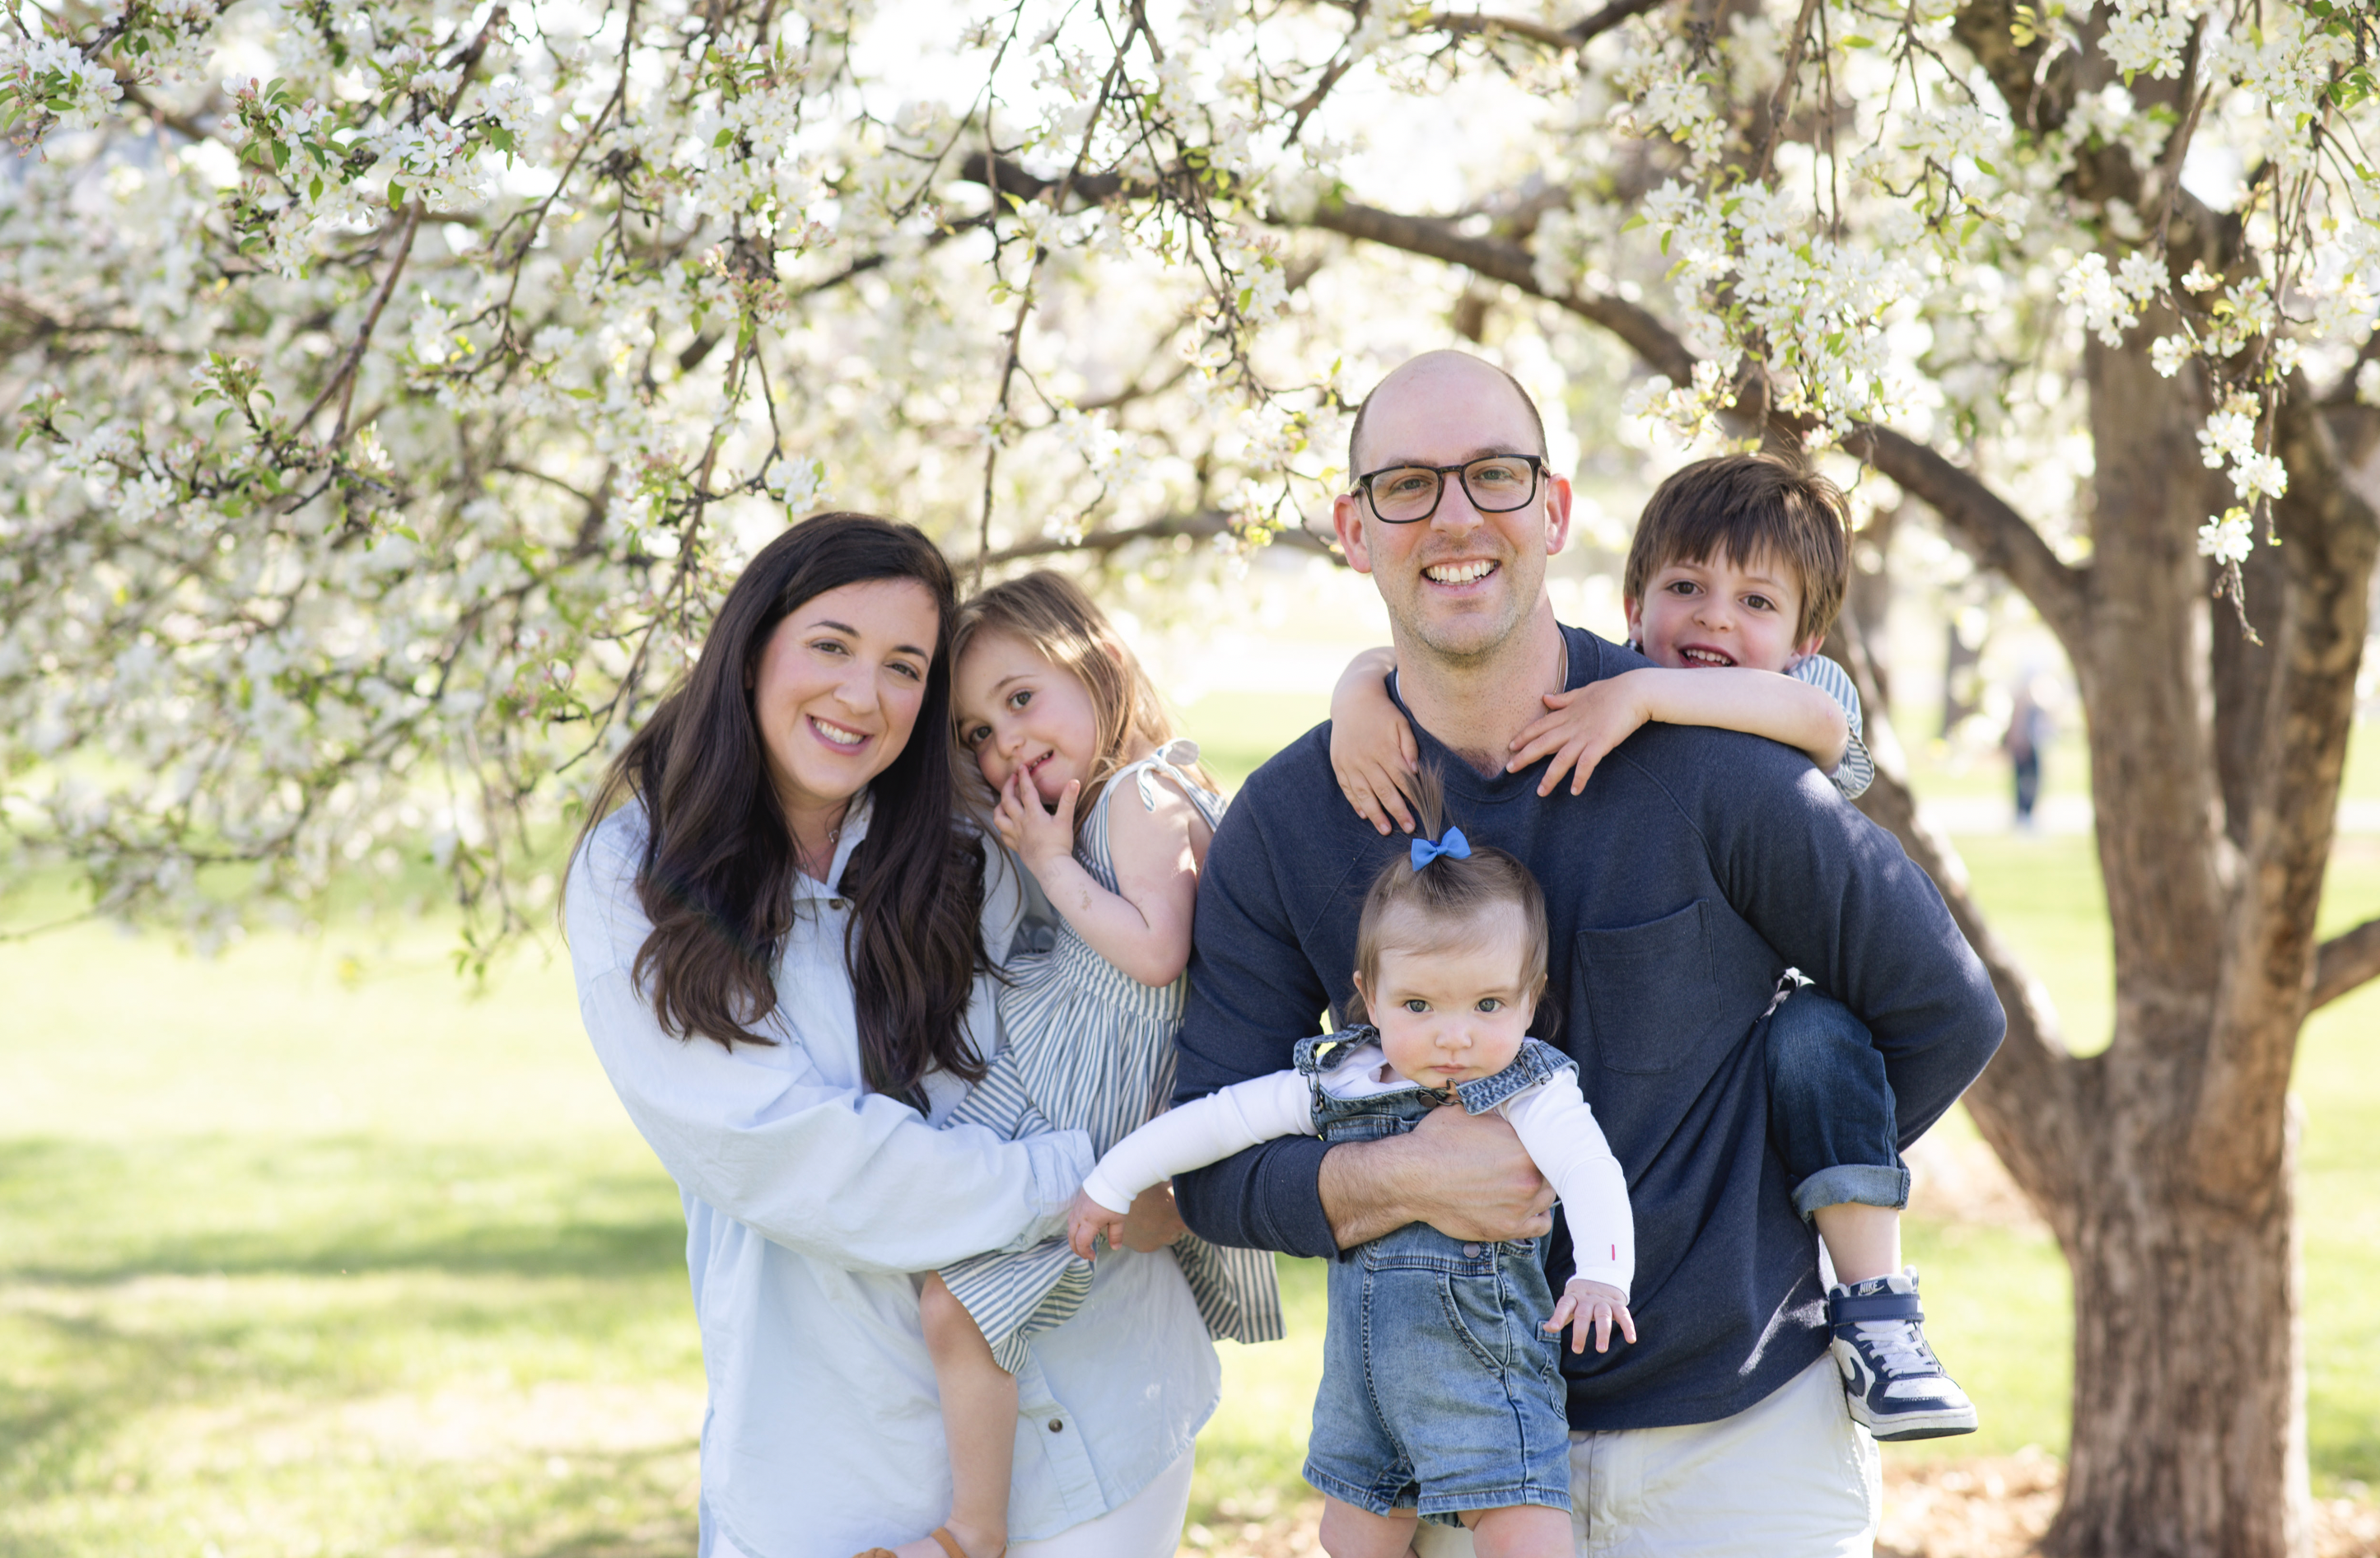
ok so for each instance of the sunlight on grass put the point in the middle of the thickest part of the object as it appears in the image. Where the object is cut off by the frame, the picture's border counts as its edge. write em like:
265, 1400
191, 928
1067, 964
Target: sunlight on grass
310, 1251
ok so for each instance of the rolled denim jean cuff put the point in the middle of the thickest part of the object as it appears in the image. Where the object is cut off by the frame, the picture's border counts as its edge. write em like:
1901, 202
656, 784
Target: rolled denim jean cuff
1858, 1183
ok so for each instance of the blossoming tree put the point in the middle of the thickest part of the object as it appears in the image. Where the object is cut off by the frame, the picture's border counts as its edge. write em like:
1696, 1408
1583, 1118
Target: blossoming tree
401, 381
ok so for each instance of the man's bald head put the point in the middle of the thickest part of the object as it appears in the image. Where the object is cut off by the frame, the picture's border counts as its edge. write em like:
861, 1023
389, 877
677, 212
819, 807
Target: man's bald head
1442, 373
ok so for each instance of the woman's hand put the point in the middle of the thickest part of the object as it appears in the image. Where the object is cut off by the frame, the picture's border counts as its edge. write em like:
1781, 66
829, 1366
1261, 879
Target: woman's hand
1592, 1304
1036, 835
1087, 1221
1154, 1221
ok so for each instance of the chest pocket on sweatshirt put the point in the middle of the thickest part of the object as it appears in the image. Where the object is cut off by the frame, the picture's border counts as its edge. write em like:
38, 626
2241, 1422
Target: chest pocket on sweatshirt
1650, 994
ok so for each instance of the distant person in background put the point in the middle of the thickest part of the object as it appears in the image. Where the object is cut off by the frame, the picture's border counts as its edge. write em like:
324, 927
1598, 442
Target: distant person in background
2028, 731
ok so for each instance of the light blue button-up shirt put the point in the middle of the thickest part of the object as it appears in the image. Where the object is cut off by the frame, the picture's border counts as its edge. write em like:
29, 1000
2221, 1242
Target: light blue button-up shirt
809, 1202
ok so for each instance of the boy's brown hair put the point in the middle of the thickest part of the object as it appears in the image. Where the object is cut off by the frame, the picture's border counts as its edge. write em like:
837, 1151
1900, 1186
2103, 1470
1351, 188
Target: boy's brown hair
1748, 507
1449, 891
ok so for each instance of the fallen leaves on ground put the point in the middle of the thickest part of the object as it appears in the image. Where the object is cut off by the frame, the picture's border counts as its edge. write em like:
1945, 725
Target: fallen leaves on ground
1987, 1508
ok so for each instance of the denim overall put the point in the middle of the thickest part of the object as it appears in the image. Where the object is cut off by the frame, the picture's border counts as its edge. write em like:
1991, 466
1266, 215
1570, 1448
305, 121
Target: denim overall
1439, 1390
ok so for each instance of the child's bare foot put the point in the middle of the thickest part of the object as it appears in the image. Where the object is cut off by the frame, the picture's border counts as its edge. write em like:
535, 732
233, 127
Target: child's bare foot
957, 1539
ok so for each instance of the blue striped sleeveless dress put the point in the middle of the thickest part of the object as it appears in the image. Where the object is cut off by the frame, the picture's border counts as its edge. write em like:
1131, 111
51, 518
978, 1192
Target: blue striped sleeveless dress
1090, 1048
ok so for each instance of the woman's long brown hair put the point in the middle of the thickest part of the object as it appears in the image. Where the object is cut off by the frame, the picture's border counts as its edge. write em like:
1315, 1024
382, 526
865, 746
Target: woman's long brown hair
718, 872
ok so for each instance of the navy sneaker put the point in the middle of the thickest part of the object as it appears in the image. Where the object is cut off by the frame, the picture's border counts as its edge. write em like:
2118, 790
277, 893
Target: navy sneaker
1895, 1383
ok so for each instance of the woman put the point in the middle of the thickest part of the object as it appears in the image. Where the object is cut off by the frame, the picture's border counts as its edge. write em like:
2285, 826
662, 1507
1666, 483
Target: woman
779, 927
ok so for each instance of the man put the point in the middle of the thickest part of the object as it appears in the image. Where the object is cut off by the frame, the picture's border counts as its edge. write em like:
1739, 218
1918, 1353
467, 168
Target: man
1697, 866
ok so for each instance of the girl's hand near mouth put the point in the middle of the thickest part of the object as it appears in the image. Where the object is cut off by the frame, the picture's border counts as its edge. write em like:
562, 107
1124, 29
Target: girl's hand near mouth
1038, 835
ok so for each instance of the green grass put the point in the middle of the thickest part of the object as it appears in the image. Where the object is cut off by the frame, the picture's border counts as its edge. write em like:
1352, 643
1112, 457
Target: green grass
1237, 731
309, 1250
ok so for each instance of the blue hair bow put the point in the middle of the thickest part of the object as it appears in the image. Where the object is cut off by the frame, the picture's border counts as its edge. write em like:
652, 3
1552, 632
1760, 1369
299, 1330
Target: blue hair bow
1454, 846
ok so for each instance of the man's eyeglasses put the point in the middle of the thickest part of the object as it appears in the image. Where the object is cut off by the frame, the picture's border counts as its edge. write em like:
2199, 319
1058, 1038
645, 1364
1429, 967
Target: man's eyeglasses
1406, 495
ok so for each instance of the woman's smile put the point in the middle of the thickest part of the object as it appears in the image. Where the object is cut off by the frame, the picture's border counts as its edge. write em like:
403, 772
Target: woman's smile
848, 667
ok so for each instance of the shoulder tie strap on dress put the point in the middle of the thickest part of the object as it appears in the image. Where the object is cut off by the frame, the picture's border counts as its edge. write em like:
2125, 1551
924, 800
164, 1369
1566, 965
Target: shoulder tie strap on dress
1174, 757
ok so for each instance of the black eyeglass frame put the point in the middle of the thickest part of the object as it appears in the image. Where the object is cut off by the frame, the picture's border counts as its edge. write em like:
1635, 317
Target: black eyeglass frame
1536, 464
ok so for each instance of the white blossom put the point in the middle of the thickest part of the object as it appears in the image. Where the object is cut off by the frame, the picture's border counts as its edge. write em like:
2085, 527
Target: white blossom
2227, 538
2107, 310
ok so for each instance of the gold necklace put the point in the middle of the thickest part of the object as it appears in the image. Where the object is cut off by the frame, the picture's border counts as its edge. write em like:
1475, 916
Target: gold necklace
834, 840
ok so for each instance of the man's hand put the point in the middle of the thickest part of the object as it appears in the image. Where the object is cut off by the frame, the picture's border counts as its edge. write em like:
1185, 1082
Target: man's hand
1468, 1177
1154, 1221
1087, 1222
1591, 1305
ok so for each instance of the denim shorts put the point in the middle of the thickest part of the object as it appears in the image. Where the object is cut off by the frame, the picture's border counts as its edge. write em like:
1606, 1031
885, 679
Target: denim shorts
1439, 1392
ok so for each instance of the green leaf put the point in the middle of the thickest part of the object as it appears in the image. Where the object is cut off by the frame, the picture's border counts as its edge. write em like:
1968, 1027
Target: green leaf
1632, 223
1665, 244
725, 138
1968, 228
1988, 168
1856, 41
396, 195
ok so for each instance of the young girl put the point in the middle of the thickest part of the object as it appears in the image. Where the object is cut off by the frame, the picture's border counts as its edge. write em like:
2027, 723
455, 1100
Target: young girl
1061, 720
1441, 1395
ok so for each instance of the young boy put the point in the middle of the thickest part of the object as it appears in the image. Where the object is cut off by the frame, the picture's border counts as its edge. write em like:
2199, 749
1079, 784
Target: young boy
1738, 570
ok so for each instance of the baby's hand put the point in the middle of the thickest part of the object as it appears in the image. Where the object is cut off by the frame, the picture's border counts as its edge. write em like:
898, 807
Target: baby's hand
1372, 750
1591, 1304
1036, 835
1579, 728
1086, 1220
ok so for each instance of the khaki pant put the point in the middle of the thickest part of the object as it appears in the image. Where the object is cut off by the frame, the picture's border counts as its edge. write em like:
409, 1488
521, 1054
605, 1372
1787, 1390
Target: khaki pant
1791, 1477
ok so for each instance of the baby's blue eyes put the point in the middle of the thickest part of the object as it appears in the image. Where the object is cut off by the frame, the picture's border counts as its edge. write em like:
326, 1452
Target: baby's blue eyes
1416, 1004
1491, 1005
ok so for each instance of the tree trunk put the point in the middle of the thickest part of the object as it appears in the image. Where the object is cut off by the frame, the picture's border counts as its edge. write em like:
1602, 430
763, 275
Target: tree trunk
2188, 1433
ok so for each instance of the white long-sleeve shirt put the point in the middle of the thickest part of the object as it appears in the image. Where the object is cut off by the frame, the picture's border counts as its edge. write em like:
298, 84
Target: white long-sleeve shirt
1553, 1120
809, 1201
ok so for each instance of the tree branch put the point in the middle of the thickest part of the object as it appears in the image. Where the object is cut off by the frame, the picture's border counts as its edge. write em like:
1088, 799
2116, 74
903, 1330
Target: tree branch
2025, 1102
1205, 524
2269, 954
1573, 36
1498, 260
1995, 532
1091, 189
343, 377
2347, 960
1999, 536
1980, 520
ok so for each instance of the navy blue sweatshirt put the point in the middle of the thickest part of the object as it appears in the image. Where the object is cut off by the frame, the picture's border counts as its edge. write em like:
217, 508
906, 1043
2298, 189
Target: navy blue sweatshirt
1697, 866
